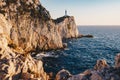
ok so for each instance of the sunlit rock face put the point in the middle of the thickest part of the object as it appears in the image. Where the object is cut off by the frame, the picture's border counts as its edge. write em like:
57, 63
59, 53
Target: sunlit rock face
32, 26
15, 63
25, 25
67, 27
63, 75
101, 64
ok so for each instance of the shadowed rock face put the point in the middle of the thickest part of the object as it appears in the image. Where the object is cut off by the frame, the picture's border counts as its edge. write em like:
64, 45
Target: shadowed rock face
117, 61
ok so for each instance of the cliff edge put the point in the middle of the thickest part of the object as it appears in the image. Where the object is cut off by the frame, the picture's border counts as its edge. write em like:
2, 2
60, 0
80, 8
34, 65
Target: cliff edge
15, 63
67, 27
32, 26
25, 25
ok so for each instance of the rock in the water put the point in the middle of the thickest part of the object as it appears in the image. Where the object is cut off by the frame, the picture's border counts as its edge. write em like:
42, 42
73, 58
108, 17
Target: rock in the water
96, 76
63, 75
117, 61
101, 64
64, 45
88, 36
82, 76
101, 71
78, 77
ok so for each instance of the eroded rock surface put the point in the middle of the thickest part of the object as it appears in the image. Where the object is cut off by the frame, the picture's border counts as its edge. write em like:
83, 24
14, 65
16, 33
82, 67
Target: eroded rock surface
32, 26
63, 75
117, 61
101, 71
101, 64
15, 63
67, 27
25, 25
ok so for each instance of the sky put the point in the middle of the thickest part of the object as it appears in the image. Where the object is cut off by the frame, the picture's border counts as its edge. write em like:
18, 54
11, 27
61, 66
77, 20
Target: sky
86, 12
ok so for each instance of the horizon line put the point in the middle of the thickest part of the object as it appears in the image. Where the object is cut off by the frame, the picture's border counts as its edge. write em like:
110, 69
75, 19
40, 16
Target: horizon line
98, 25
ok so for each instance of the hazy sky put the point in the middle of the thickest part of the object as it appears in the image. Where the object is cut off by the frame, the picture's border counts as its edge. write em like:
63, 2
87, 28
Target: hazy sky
86, 12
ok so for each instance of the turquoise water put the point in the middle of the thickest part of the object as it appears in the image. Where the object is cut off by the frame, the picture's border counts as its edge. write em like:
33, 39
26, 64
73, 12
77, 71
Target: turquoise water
82, 53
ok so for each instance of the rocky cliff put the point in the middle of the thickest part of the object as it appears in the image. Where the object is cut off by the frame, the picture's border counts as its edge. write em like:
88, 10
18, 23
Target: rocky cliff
32, 26
25, 25
15, 63
67, 27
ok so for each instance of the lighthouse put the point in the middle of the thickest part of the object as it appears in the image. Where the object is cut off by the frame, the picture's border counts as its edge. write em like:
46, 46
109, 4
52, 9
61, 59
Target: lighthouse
65, 12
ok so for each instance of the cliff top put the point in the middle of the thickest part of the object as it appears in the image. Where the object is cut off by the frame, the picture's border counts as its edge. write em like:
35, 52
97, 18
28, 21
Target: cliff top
22, 7
58, 20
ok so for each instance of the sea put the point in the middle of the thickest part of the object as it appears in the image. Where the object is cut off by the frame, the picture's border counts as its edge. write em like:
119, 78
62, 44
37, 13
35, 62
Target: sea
82, 53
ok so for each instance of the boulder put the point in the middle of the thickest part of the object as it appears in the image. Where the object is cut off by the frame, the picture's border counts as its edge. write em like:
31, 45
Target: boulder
78, 77
101, 71
64, 45
96, 76
101, 64
117, 61
63, 75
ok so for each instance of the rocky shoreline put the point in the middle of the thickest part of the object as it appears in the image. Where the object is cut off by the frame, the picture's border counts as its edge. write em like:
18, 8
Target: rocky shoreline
26, 26
101, 71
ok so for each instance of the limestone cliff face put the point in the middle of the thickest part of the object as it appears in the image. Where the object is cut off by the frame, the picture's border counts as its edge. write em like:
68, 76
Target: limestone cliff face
15, 63
26, 25
32, 26
67, 27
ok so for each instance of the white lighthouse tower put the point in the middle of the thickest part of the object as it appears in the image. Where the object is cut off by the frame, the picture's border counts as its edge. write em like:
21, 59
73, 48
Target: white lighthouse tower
65, 12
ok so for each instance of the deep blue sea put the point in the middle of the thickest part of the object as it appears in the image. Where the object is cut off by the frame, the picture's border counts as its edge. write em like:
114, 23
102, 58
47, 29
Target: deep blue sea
83, 53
